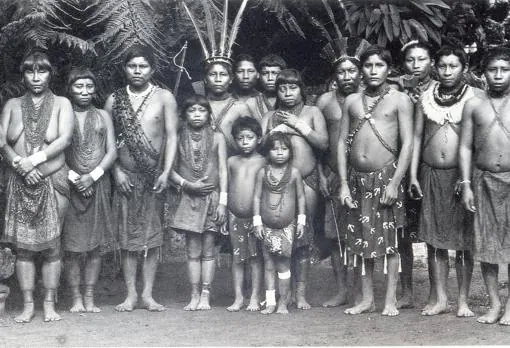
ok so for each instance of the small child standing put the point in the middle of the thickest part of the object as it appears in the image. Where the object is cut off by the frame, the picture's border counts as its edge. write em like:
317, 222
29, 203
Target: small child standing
199, 172
242, 171
279, 194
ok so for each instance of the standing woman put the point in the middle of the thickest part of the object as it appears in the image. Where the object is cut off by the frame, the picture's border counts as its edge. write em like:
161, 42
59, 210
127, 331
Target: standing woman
87, 226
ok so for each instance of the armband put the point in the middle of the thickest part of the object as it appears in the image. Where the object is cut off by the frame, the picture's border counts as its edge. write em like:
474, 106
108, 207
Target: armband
257, 220
16, 159
72, 176
223, 198
301, 219
303, 128
96, 173
38, 158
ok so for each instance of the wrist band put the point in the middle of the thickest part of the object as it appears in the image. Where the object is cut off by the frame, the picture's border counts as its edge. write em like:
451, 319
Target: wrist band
72, 176
37, 158
15, 160
303, 128
96, 173
465, 182
257, 220
223, 198
301, 219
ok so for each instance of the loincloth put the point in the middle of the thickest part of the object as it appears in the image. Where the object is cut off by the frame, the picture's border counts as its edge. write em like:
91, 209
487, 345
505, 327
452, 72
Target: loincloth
192, 213
88, 224
492, 216
137, 217
312, 179
279, 241
335, 211
242, 238
372, 227
444, 223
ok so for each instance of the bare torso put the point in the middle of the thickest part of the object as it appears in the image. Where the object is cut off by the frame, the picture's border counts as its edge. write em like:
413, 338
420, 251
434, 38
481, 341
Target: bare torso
225, 112
329, 104
258, 107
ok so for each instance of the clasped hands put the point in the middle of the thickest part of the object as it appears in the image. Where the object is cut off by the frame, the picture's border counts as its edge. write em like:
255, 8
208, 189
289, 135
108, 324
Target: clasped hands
24, 167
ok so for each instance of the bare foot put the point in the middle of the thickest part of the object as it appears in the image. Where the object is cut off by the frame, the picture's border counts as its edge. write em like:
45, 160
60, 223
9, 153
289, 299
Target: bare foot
237, 305
335, 301
49, 311
362, 307
438, 308
405, 301
282, 307
302, 303
77, 305
268, 310
203, 304
390, 310
505, 319
152, 306
127, 306
428, 307
464, 311
254, 305
193, 304
27, 314
491, 316
90, 307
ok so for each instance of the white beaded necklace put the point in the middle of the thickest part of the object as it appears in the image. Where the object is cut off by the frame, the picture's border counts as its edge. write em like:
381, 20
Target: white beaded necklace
139, 95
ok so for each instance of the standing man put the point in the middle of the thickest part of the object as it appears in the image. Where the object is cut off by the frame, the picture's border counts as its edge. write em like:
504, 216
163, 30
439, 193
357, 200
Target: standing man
246, 77
485, 176
145, 122
444, 224
38, 127
375, 122
269, 68
347, 77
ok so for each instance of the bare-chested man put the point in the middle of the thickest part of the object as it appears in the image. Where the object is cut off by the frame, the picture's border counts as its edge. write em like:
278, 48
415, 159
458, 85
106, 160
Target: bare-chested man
225, 108
269, 68
347, 78
145, 122
245, 78
444, 224
485, 174
375, 122
38, 127
307, 128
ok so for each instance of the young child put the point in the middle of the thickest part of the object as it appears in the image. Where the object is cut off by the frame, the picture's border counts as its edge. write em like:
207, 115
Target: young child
279, 194
199, 172
242, 170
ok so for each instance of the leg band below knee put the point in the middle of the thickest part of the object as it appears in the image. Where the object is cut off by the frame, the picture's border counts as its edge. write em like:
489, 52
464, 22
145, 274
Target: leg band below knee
284, 275
270, 297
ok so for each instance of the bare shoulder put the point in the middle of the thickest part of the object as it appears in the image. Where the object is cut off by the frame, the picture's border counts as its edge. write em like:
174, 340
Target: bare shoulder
251, 101
62, 101
103, 113
232, 161
312, 109
351, 98
325, 99
12, 103
218, 138
476, 101
478, 92
242, 108
400, 96
164, 94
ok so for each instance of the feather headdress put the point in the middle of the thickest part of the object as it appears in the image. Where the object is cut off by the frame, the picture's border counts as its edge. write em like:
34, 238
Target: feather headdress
222, 50
341, 48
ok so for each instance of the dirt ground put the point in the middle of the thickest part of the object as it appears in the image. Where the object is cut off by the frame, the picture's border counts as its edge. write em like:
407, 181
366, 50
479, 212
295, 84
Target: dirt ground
318, 326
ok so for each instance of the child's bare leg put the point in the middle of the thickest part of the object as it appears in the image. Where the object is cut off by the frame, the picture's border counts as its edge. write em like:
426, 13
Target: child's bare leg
367, 289
505, 319
340, 273
194, 262
302, 259
390, 302
237, 279
464, 270
256, 277
405, 248
270, 283
51, 277
208, 269
432, 280
283, 268
490, 277
92, 269
25, 271
129, 268
73, 280
440, 271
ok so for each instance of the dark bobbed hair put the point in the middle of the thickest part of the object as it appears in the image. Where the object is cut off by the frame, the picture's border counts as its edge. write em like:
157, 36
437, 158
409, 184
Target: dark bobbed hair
290, 76
418, 44
80, 72
140, 51
447, 50
245, 58
208, 67
36, 59
271, 140
272, 60
382, 52
493, 54
246, 123
195, 99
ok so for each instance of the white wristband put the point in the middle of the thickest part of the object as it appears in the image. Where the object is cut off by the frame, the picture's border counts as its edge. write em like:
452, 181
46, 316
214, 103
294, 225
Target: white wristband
15, 161
257, 220
38, 158
73, 176
223, 198
97, 173
303, 128
301, 219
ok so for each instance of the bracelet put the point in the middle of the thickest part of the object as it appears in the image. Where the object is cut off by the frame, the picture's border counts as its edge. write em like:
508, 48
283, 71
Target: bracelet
72, 176
257, 220
301, 219
303, 128
15, 160
344, 198
223, 198
38, 158
465, 182
96, 173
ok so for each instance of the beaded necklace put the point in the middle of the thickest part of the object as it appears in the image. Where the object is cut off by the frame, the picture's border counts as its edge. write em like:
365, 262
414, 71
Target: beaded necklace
448, 99
86, 142
36, 120
196, 148
276, 187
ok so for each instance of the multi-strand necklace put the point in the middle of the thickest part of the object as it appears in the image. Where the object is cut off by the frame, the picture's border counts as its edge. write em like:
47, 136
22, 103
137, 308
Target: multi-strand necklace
36, 119
84, 141
443, 98
277, 187
197, 144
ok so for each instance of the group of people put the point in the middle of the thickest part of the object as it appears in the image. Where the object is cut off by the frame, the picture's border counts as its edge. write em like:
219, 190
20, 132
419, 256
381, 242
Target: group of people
256, 165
